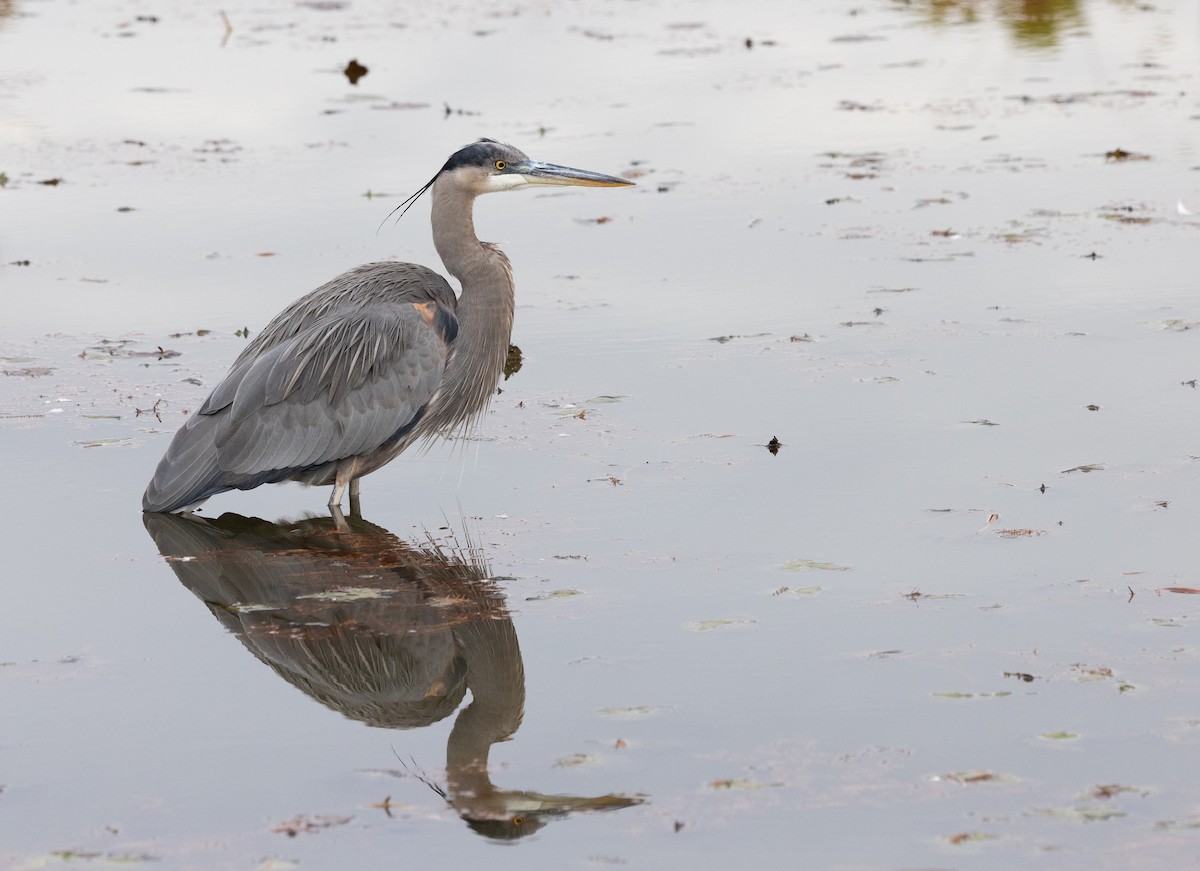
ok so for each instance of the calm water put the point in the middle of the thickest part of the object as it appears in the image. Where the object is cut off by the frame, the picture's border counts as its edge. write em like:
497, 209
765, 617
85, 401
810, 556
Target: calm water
944, 253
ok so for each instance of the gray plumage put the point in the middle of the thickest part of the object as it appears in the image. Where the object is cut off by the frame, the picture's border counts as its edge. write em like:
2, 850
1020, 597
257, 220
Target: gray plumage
348, 376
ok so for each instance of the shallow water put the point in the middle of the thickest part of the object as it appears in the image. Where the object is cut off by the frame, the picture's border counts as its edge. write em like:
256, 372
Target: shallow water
944, 253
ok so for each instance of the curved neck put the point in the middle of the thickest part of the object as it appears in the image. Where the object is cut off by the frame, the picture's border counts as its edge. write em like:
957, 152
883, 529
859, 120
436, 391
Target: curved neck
496, 678
481, 268
484, 310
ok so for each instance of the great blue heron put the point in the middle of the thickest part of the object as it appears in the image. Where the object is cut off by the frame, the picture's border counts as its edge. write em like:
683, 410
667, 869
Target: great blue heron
348, 376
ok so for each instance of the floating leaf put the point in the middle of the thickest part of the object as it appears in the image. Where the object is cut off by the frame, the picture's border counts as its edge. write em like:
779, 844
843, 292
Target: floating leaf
808, 565
742, 784
634, 712
971, 837
553, 594
105, 443
105, 858
1059, 736
1120, 155
1089, 814
724, 339
709, 625
1109, 790
1085, 468
575, 760
302, 823
797, 592
977, 777
1185, 590
914, 595
1090, 674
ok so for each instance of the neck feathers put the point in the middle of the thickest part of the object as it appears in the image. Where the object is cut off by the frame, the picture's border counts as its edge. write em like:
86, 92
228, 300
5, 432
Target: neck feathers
484, 311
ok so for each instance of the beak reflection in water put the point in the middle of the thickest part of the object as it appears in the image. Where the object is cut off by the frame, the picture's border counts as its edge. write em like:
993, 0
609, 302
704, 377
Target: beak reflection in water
383, 631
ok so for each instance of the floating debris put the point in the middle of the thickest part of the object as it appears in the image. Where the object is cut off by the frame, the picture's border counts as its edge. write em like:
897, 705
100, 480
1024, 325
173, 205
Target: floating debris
915, 594
977, 777
29, 372
633, 712
303, 824
1089, 814
808, 565
575, 760
798, 592
354, 71
105, 858
725, 623
1059, 736
105, 443
1120, 155
742, 784
1109, 790
971, 837
566, 593
730, 338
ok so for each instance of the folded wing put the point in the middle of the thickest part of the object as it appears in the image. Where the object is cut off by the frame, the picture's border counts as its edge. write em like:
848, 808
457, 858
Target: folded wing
346, 385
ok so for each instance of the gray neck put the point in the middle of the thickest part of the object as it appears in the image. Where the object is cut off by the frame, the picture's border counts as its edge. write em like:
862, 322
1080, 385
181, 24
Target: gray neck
484, 311
496, 678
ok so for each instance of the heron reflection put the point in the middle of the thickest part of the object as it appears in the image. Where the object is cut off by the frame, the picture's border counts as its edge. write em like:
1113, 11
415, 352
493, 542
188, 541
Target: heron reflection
384, 631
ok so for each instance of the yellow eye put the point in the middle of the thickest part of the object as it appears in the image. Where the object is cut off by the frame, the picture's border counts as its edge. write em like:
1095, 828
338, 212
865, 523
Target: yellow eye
516, 821
500, 164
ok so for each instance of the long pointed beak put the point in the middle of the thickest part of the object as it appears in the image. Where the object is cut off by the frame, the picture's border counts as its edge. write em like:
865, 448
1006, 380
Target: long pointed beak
536, 172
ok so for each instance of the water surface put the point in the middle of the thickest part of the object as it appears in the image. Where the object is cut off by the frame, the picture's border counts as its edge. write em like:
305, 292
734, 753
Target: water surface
943, 253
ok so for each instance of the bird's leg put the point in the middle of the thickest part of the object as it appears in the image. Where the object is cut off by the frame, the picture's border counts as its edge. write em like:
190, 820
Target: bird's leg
355, 504
339, 519
339, 484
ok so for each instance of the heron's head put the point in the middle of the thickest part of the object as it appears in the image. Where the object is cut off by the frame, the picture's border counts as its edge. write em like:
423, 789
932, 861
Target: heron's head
486, 166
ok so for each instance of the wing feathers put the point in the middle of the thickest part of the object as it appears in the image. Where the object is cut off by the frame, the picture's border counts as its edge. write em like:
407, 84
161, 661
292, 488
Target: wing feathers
337, 390
337, 374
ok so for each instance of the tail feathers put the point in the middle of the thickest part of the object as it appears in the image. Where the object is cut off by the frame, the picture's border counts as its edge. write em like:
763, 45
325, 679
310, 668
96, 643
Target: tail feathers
188, 473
